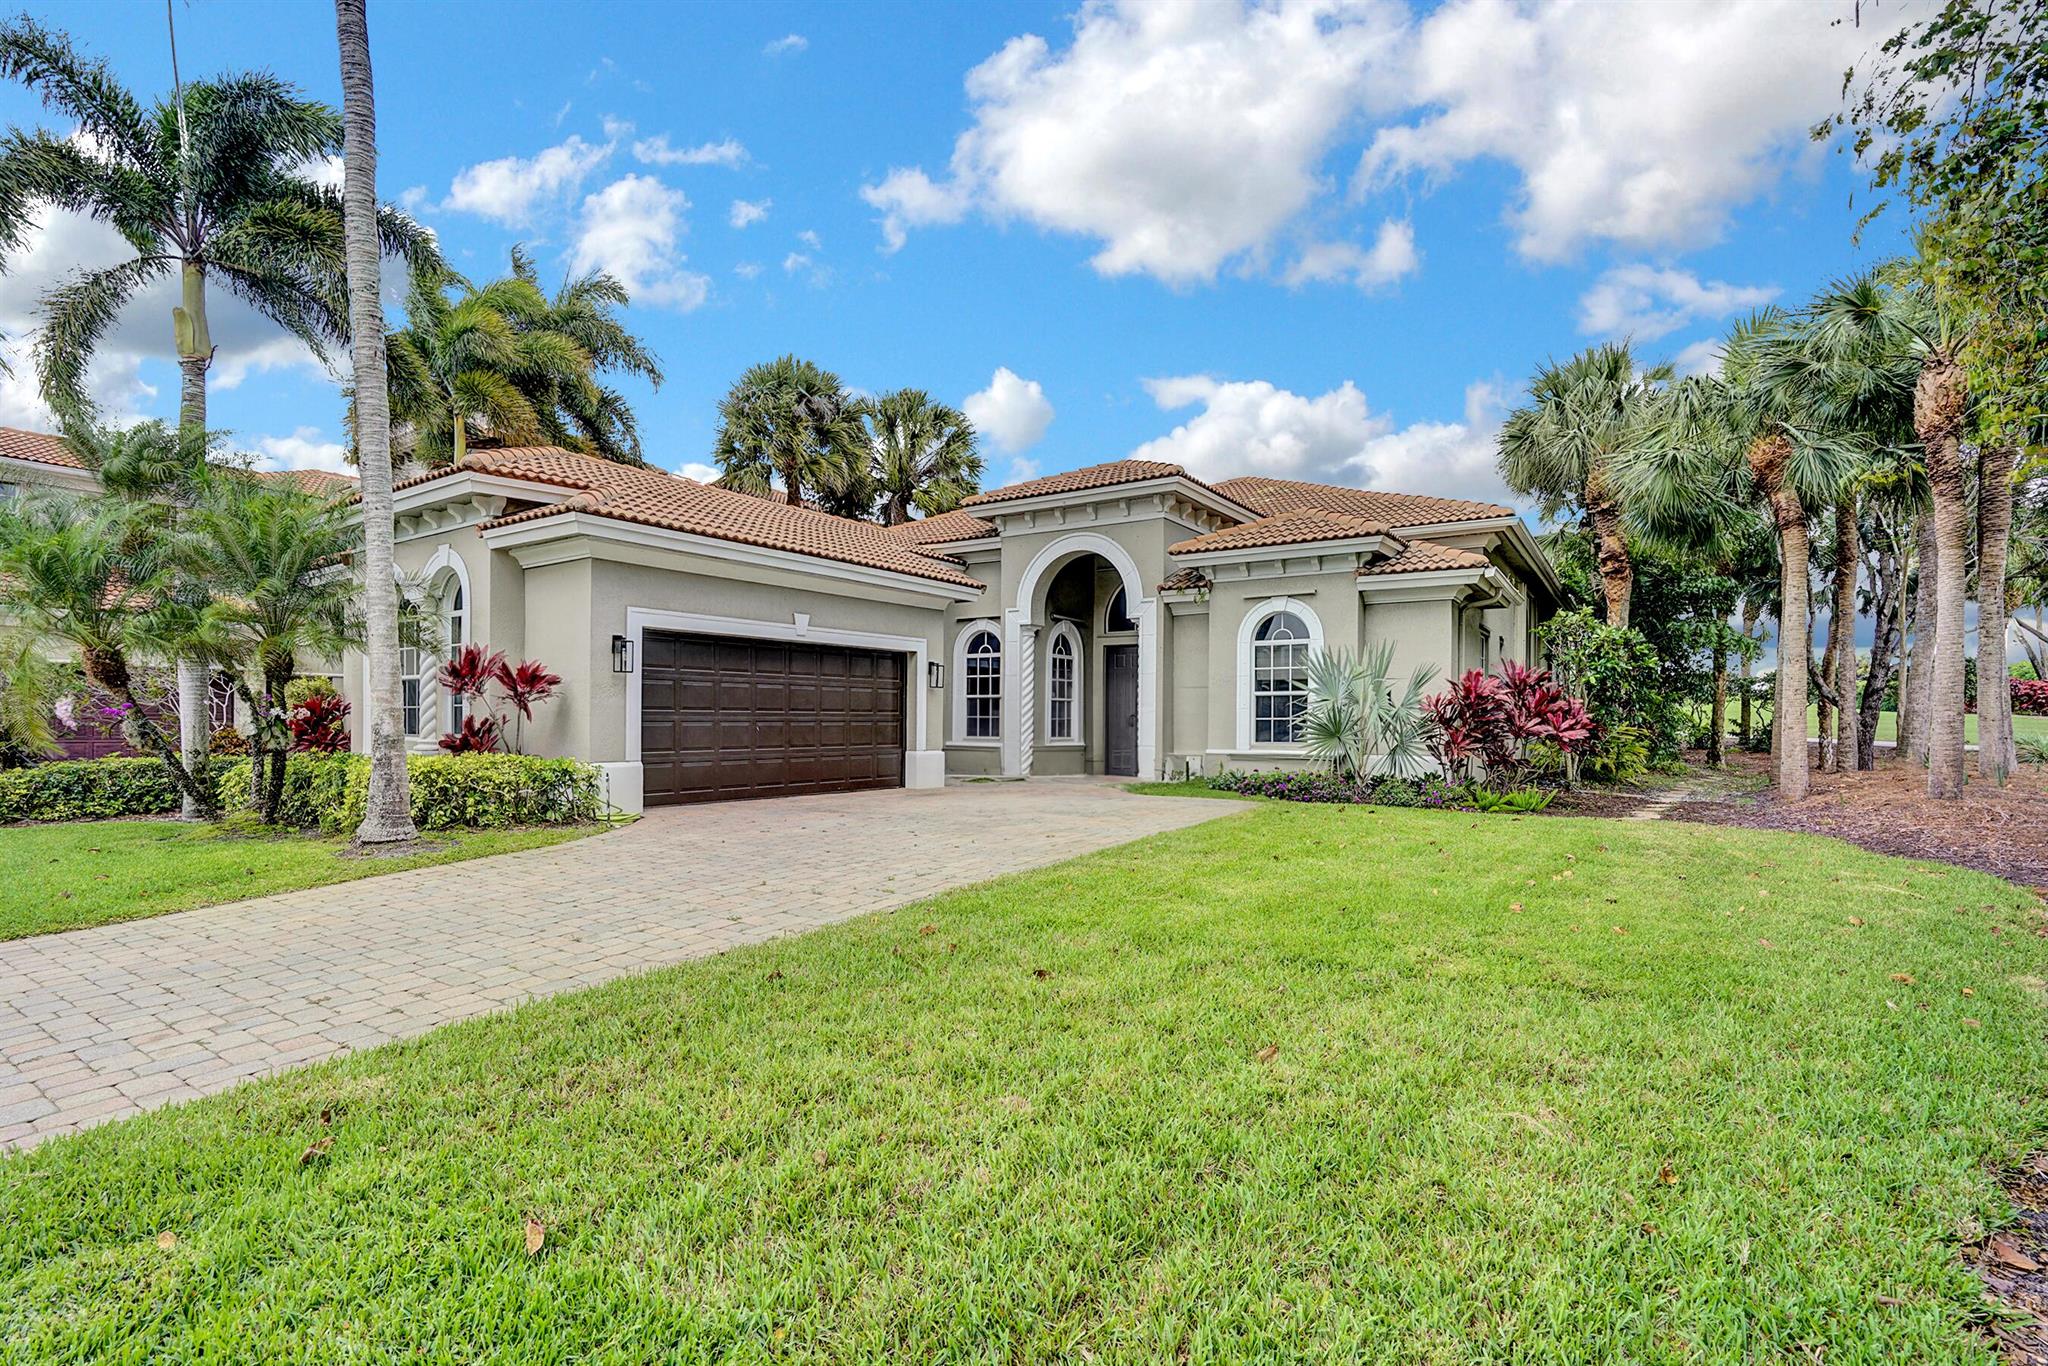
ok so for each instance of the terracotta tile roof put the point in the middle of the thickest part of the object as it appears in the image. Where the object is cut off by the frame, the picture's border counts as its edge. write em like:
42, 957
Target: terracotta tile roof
1184, 581
323, 482
957, 525
1295, 526
1423, 556
1076, 481
1396, 509
651, 497
540, 464
40, 447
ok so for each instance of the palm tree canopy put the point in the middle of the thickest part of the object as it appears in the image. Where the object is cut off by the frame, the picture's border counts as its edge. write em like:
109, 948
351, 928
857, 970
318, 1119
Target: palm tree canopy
243, 208
1582, 414
793, 421
926, 455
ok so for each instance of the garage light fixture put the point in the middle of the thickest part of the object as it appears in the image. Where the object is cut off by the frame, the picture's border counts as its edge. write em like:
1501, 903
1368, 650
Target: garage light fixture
935, 674
622, 655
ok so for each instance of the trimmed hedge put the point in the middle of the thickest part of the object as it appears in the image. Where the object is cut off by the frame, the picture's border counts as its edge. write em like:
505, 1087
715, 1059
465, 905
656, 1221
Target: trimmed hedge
2029, 697
449, 791
1315, 785
89, 789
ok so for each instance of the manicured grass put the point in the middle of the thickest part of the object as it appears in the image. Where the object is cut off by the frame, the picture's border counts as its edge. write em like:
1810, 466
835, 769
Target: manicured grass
62, 877
2023, 727
1303, 1083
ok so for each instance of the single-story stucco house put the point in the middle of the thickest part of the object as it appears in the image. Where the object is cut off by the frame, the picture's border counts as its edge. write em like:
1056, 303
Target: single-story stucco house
1122, 619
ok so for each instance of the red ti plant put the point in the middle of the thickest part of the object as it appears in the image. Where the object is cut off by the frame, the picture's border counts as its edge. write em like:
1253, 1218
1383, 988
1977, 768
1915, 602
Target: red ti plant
472, 673
1493, 720
319, 724
525, 683
479, 735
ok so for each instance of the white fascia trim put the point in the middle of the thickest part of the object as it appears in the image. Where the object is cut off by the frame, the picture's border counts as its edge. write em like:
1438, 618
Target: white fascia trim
1433, 578
1291, 550
1193, 492
640, 620
1516, 530
67, 475
455, 488
566, 525
950, 547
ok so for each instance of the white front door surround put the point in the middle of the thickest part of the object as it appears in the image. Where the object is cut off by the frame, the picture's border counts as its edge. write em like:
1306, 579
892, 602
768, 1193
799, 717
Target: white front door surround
1023, 621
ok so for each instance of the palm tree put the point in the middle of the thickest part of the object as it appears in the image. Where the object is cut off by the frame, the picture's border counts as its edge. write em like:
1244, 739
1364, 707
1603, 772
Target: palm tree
267, 553
578, 411
791, 420
1996, 753
93, 575
387, 816
1585, 414
925, 455
1940, 409
210, 185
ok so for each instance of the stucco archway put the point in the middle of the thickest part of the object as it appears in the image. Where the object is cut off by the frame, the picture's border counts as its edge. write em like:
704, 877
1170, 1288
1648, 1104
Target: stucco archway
1023, 620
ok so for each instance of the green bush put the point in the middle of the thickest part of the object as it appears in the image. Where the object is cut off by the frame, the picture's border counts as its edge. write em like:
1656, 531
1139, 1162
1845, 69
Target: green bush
89, 789
449, 791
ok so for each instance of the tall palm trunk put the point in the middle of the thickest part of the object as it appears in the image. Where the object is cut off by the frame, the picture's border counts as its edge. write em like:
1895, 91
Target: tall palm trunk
1767, 459
1717, 720
1617, 573
1938, 401
1842, 628
388, 815
1823, 702
1995, 750
1889, 640
1917, 691
195, 680
1744, 724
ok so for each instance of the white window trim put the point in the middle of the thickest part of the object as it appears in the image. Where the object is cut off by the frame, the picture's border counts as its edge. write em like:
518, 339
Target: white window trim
1067, 631
434, 699
958, 735
1245, 631
1118, 632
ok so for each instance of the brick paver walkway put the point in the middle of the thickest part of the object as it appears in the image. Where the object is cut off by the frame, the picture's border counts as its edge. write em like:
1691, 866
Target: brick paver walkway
100, 1023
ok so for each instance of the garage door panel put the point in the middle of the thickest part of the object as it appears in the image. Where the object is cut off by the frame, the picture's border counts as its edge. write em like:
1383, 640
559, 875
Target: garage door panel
723, 717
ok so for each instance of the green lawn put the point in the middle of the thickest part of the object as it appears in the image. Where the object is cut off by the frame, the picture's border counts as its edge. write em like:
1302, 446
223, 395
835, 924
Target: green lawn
1304, 1083
62, 877
2023, 727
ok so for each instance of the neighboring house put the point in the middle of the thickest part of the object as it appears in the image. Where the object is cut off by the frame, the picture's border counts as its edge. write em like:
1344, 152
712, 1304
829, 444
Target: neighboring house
1123, 619
41, 460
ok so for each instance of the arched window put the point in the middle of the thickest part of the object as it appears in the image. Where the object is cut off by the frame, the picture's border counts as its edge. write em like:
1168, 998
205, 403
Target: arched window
1063, 685
981, 684
1117, 616
456, 625
1280, 651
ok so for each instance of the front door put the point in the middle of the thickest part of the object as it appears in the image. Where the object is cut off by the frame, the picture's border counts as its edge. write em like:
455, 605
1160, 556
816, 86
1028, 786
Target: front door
1120, 708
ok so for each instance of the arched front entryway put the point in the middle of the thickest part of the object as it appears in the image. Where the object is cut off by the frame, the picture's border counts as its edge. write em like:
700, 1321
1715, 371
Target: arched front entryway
1027, 635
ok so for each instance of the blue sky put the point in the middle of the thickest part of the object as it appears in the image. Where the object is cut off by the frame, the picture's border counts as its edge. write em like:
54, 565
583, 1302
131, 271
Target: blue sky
1325, 240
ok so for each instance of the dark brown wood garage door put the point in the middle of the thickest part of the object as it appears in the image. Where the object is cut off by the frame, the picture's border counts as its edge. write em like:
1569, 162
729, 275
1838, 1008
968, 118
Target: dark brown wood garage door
722, 717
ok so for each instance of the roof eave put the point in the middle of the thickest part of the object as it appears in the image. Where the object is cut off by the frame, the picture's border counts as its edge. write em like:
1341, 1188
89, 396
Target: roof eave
1346, 545
1194, 490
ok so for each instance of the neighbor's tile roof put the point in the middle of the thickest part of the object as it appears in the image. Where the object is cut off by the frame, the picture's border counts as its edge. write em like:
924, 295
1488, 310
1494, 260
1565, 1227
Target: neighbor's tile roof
539, 464
323, 482
1422, 556
1271, 496
40, 447
1295, 526
1093, 477
656, 498
1183, 581
957, 525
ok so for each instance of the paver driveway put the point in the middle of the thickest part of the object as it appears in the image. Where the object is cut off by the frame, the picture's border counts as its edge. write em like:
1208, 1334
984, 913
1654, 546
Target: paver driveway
99, 1023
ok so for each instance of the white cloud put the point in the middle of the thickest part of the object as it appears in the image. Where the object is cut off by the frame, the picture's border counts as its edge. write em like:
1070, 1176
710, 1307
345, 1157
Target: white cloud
802, 263
511, 189
1391, 256
746, 212
632, 228
1011, 411
747, 270
908, 198
702, 473
1179, 136
787, 45
810, 239
1641, 124
1256, 427
302, 450
655, 151
1647, 302
1700, 358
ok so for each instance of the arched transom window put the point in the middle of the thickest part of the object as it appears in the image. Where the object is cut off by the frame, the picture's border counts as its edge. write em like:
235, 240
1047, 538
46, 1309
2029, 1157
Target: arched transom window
1063, 684
1280, 651
981, 683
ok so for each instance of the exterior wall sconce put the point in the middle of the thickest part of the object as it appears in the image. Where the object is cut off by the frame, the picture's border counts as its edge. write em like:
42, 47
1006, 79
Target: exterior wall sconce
935, 674
622, 655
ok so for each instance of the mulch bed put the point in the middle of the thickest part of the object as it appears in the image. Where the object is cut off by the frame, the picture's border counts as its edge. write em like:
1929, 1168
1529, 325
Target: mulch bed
2003, 831
2013, 1264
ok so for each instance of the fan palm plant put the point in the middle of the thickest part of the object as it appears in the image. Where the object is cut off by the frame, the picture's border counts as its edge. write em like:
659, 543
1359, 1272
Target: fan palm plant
211, 186
1357, 723
1584, 415
926, 457
793, 421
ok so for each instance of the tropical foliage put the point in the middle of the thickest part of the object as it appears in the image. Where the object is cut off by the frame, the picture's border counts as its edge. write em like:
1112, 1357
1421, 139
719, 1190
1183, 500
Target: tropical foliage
1358, 722
472, 674
925, 458
1487, 725
791, 422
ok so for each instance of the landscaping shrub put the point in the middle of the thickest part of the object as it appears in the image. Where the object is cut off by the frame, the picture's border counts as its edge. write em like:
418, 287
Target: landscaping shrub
449, 791
91, 789
319, 722
1288, 786
1618, 675
2029, 697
